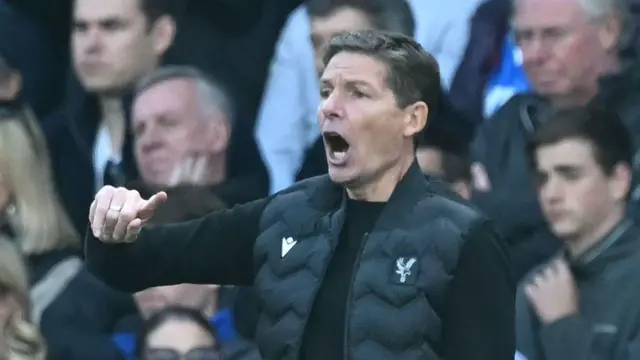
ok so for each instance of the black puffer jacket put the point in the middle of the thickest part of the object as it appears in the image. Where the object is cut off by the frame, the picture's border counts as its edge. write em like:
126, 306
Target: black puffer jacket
455, 300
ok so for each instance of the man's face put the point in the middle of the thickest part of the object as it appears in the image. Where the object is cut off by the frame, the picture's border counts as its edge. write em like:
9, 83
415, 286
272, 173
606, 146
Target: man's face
563, 50
201, 297
169, 127
323, 29
575, 194
112, 44
363, 128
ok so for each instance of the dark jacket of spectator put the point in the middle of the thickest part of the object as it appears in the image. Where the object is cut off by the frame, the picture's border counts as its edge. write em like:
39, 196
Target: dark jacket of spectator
500, 146
71, 132
608, 324
76, 312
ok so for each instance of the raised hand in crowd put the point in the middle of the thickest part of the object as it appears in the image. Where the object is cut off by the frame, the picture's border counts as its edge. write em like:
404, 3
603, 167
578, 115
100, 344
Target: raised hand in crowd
117, 215
553, 293
192, 171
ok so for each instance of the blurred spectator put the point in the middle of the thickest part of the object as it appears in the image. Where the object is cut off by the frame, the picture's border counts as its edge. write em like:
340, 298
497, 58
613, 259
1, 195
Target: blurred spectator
571, 57
36, 56
177, 333
187, 202
10, 82
585, 302
481, 61
453, 167
287, 123
71, 307
20, 339
114, 44
182, 125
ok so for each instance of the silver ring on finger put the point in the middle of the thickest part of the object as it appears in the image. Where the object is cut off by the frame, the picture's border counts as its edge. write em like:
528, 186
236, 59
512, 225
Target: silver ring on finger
115, 208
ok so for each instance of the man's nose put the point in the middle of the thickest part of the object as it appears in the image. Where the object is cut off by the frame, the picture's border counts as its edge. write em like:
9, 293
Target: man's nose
552, 192
332, 107
93, 40
534, 52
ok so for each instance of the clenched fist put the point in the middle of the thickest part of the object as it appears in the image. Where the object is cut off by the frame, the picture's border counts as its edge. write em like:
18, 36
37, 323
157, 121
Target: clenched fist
117, 215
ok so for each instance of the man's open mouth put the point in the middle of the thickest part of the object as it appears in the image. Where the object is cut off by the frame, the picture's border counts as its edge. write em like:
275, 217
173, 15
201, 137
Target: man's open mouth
337, 147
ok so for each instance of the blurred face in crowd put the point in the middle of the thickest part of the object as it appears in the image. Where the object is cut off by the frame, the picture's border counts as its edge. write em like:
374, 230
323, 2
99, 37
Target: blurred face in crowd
323, 29
182, 337
564, 50
170, 125
201, 297
365, 133
114, 44
431, 161
10, 84
576, 195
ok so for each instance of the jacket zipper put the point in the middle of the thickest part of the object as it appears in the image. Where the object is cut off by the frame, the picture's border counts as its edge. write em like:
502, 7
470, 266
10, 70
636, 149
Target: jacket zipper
356, 265
313, 298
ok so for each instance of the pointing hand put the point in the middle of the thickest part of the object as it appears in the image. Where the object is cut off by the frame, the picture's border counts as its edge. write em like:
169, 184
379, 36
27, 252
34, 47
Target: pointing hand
117, 215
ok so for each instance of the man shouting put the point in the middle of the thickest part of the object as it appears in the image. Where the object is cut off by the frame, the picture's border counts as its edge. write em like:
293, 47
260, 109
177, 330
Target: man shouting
371, 261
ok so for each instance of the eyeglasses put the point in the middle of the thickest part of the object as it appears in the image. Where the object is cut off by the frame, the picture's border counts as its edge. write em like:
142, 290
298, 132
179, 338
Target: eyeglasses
206, 353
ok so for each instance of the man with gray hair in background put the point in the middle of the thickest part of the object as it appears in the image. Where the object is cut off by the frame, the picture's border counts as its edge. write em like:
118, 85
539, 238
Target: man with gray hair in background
571, 55
182, 127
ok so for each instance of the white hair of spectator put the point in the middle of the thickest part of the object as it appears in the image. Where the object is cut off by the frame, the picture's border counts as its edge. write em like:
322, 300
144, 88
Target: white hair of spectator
212, 99
598, 9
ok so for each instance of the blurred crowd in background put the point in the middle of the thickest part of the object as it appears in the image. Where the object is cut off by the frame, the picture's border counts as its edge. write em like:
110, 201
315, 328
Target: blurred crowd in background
215, 102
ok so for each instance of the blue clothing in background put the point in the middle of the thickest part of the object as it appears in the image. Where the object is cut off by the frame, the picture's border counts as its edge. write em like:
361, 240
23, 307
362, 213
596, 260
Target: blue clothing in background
509, 78
222, 322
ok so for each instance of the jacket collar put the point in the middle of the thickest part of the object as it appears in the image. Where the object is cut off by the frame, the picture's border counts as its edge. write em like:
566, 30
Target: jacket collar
611, 248
330, 197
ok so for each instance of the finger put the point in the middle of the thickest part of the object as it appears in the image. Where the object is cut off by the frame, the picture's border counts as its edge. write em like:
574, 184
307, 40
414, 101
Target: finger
149, 207
187, 169
128, 213
198, 173
102, 202
562, 268
113, 212
175, 175
530, 291
133, 230
480, 177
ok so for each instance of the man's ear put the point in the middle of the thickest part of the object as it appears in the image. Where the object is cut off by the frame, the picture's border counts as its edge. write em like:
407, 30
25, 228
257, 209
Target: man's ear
415, 119
10, 88
219, 136
610, 32
620, 181
163, 32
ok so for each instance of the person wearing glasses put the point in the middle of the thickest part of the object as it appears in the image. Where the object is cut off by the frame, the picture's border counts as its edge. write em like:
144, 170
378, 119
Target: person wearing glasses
177, 333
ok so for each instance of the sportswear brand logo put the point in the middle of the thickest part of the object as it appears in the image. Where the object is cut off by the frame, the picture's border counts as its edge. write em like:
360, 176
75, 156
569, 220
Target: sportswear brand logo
287, 245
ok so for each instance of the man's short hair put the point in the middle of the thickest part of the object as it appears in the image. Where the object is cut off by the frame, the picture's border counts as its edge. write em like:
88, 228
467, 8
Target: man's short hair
386, 15
602, 128
412, 74
212, 97
155, 9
